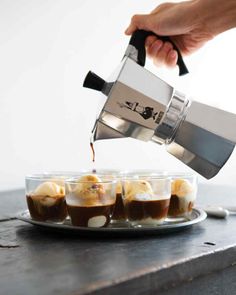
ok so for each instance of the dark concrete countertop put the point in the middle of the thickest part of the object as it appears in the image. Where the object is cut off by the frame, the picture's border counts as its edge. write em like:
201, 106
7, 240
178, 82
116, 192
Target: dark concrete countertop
199, 260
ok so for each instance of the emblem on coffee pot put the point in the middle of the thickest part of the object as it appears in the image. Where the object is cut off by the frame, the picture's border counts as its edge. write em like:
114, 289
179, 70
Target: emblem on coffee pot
145, 112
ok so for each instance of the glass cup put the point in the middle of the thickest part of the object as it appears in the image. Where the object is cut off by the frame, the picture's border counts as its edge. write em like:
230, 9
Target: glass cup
118, 215
90, 202
146, 199
45, 196
183, 194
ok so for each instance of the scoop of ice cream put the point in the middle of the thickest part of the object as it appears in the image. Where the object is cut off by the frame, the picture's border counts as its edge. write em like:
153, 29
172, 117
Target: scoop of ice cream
89, 178
138, 190
181, 187
60, 181
86, 181
49, 188
89, 190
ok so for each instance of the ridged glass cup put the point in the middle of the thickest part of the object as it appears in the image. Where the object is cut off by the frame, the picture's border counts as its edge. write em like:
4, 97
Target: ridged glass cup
183, 194
45, 196
146, 199
90, 204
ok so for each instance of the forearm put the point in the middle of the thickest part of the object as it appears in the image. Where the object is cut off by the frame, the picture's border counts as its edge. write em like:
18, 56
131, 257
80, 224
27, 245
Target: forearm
216, 15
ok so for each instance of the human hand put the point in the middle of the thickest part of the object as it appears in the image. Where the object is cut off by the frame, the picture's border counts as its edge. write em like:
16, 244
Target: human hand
189, 25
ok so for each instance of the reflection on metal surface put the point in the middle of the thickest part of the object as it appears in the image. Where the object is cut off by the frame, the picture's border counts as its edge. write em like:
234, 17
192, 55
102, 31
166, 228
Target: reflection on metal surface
200, 149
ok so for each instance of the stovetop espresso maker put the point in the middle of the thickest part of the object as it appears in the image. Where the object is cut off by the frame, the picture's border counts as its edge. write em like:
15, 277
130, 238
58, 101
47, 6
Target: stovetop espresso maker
142, 106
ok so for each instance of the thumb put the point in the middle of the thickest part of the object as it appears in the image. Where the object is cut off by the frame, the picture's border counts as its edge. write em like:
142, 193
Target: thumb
141, 22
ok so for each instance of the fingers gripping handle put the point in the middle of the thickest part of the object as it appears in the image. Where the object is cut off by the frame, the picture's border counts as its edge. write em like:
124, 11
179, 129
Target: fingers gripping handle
138, 41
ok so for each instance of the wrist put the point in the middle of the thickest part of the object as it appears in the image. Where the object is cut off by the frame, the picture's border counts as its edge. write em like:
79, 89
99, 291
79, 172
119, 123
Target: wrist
216, 16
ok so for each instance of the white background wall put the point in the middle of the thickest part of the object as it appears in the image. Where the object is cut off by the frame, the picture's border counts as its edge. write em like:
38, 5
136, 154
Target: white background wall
46, 49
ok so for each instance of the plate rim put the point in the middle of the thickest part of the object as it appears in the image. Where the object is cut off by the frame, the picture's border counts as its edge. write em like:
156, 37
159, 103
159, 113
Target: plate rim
201, 216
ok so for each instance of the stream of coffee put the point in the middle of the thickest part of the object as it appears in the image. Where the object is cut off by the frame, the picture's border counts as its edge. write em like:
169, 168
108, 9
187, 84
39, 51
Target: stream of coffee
93, 151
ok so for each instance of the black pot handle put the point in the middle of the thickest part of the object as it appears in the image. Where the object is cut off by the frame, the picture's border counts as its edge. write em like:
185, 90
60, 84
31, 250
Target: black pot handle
138, 41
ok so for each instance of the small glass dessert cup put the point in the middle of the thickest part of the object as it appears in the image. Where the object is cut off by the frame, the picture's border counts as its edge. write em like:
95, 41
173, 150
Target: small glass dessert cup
183, 194
90, 200
45, 196
146, 200
119, 215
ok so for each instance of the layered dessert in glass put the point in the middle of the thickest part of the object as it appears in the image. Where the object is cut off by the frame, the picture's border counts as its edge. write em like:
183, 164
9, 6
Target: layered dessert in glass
45, 195
112, 174
90, 200
183, 194
146, 200
119, 214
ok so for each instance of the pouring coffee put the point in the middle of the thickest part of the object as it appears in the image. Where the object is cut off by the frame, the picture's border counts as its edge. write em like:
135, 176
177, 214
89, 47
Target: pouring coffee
143, 106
